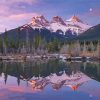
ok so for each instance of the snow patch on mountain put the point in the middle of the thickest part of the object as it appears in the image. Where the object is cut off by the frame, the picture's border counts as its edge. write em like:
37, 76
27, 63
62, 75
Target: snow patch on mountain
57, 23
39, 22
74, 24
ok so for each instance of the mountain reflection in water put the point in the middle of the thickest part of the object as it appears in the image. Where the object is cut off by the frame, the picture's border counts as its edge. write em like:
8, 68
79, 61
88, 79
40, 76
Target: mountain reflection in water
40, 74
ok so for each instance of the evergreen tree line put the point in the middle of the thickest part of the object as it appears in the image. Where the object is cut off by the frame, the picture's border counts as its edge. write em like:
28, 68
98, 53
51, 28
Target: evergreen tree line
82, 48
37, 44
40, 45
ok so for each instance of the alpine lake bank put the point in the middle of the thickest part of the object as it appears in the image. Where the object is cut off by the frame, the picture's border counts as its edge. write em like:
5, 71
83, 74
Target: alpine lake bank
31, 57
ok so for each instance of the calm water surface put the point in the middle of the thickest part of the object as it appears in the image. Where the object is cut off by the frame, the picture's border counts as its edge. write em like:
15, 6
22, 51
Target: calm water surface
49, 80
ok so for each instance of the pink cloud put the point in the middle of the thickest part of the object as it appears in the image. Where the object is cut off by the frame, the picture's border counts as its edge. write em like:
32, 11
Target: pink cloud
26, 1
15, 20
8, 2
6, 6
23, 16
3, 9
9, 16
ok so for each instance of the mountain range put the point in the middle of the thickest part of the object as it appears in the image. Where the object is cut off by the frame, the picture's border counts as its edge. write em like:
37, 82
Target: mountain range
74, 24
91, 34
56, 28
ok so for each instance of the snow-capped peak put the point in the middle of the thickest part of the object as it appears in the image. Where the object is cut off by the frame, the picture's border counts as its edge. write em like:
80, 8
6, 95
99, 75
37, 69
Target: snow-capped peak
57, 19
75, 19
74, 24
39, 21
57, 23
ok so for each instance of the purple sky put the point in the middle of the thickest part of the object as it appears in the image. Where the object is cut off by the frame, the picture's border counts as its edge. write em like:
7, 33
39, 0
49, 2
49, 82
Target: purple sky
14, 13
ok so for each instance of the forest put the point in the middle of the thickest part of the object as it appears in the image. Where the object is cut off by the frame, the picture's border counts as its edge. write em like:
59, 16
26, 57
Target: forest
38, 45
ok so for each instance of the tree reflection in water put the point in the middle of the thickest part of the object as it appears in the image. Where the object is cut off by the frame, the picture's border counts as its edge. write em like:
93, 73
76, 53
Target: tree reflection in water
39, 74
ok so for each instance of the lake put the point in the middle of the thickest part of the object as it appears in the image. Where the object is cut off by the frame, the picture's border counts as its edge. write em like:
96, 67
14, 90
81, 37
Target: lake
49, 80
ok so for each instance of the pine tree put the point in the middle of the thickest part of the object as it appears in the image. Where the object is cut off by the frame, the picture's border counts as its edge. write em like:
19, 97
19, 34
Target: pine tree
77, 48
27, 41
84, 48
18, 39
98, 49
4, 47
1, 45
5, 42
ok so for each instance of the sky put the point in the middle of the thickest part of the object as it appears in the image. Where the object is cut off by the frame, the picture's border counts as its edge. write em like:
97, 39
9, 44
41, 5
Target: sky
14, 13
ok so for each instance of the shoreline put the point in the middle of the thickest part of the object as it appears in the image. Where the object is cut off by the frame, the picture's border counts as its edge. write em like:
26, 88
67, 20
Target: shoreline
29, 57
